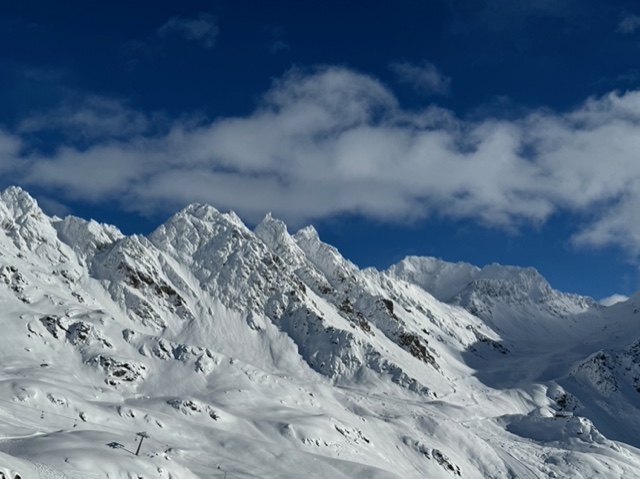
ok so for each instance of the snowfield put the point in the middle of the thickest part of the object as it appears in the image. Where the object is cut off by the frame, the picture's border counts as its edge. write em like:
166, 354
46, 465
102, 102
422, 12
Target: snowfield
261, 354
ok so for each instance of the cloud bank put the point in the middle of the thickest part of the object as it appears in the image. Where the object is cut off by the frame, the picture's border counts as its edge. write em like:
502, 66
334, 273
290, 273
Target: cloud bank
331, 141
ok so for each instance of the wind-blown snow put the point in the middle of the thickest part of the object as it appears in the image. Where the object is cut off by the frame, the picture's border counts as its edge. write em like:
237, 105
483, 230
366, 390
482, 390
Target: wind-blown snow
265, 354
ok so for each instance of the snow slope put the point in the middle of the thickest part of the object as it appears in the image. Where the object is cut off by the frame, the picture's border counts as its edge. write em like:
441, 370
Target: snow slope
265, 354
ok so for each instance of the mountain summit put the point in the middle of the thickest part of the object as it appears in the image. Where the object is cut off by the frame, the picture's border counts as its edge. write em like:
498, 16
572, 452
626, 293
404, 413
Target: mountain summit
267, 354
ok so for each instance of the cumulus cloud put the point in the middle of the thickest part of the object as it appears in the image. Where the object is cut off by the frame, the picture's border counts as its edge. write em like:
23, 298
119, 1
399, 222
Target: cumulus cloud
331, 141
613, 299
424, 77
629, 24
203, 29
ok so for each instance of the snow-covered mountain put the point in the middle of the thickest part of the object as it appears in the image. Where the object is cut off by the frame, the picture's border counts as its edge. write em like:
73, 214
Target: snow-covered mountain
265, 354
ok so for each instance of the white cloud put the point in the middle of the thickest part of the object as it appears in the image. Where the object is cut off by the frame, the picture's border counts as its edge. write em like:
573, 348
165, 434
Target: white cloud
629, 24
10, 148
333, 141
617, 224
613, 299
425, 77
203, 29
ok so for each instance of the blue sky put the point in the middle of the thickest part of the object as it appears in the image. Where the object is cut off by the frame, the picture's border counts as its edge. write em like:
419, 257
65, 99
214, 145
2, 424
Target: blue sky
477, 131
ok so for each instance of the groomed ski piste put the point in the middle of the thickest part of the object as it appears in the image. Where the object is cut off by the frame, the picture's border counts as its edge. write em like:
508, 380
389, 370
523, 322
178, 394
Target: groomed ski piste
264, 354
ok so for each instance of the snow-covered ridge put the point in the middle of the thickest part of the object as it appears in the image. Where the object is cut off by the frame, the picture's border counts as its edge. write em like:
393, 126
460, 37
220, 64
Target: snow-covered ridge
505, 297
446, 281
269, 354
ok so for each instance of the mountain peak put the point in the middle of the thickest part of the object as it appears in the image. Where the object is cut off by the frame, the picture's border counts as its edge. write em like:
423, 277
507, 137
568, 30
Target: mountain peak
274, 225
19, 203
271, 228
307, 233
200, 210
274, 233
209, 214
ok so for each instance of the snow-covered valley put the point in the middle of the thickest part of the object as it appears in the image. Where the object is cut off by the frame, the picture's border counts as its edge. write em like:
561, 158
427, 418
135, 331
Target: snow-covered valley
262, 354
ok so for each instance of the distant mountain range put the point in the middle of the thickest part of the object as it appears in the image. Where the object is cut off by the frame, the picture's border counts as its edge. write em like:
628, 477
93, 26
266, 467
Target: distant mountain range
264, 354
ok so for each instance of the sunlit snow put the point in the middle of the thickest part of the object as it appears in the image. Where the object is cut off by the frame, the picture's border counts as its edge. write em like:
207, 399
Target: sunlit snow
260, 354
